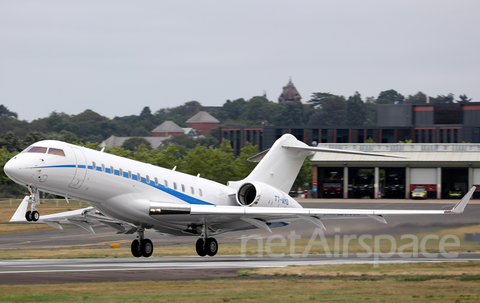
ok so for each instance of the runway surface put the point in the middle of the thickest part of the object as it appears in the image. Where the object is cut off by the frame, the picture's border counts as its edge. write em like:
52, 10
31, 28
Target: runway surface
397, 225
53, 271
186, 268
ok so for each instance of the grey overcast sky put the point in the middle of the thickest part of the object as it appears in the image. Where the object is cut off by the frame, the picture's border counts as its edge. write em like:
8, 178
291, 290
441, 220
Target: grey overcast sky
116, 57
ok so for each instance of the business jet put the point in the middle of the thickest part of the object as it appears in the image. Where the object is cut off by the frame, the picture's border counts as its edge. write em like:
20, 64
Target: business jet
132, 196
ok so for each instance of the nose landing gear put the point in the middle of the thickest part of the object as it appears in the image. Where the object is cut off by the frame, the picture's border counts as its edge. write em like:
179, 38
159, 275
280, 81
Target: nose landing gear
33, 199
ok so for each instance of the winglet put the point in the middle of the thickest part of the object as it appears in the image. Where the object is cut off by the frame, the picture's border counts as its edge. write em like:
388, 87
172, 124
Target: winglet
460, 206
19, 214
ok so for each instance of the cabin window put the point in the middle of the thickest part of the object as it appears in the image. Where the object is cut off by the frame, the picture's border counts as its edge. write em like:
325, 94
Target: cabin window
175, 185
129, 174
166, 183
120, 172
183, 188
56, 151
103, 167
112, 170
139, 177
94, 165
200, 192
148, 179
193, 190
37, 149
156, 181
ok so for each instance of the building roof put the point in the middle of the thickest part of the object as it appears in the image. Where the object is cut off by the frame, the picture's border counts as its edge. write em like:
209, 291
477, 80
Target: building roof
289, 94
155, 142
202, 117
415, 155
189, 131
168, 127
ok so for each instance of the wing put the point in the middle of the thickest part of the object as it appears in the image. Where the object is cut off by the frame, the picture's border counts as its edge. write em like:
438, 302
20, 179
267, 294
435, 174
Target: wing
83, 218
265, 217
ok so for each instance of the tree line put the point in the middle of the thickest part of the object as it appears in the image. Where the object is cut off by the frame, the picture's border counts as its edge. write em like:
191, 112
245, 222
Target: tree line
323, 109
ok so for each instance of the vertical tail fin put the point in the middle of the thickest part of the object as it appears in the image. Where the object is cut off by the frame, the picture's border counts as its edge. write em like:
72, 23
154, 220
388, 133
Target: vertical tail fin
279, 167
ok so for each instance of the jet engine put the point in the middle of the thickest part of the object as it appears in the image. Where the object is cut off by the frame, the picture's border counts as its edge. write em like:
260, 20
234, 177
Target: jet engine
261, 194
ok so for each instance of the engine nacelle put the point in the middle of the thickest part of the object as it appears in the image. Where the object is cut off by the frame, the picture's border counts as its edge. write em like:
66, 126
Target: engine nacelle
261, 194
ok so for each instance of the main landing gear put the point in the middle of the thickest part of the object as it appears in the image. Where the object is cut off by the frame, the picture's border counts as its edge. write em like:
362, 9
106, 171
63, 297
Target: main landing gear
142, 247
33, 199
205, 245
208, 246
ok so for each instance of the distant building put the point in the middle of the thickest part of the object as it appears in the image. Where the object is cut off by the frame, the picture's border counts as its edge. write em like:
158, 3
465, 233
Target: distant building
112, 141
168, 128
426, 123
202, 123
289, 94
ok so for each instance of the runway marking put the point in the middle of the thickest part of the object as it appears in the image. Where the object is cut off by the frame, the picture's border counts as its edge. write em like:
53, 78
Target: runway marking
191, 264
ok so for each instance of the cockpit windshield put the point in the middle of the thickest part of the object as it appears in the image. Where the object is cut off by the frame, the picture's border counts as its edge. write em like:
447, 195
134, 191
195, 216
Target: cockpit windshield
37, 149
43, 150
56, 151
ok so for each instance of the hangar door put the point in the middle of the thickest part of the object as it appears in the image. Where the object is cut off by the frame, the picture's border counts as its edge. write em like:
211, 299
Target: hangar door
476, 176
426, 178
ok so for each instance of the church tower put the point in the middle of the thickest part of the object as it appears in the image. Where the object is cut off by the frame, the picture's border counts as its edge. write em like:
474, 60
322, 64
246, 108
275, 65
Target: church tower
289, 94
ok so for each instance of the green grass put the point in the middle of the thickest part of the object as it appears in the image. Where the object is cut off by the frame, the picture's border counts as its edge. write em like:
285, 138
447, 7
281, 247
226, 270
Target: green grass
250, 290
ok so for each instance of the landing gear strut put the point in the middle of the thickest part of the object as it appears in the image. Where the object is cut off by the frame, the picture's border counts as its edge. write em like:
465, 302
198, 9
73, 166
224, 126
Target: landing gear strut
205, 245
33, 199
142, 247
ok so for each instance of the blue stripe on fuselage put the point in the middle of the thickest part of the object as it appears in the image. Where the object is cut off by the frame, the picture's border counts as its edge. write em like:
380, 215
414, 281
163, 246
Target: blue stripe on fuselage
176, 194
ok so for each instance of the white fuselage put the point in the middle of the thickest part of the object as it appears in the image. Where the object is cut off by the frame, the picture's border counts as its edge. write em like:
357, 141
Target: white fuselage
118, 187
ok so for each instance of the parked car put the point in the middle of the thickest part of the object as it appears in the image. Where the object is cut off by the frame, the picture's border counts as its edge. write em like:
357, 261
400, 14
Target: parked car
419, 193
455, 192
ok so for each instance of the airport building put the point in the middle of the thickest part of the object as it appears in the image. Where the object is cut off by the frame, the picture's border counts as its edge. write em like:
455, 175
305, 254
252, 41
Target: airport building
427, 123
441, 170
441, 157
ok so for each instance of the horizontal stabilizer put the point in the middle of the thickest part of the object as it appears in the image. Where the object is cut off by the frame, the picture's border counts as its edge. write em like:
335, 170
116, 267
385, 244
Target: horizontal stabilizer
334, 150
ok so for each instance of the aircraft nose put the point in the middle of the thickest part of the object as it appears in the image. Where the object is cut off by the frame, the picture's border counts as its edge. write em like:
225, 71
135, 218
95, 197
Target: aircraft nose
12, 168
8, 168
